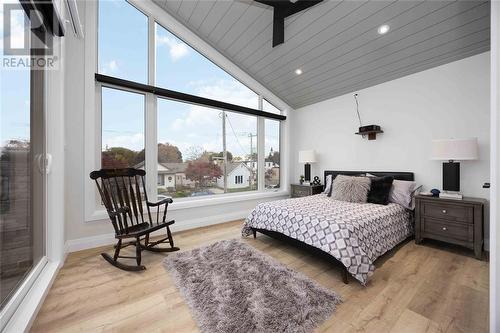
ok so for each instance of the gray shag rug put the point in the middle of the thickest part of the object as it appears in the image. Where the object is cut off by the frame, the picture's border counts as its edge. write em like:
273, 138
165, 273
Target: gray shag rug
232, 287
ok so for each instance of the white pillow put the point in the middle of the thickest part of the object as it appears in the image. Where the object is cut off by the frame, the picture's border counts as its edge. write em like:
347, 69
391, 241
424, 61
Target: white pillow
328, 184
402, 193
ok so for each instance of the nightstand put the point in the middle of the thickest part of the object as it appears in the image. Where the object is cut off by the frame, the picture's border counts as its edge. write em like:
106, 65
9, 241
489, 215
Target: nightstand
305, 190
458, 222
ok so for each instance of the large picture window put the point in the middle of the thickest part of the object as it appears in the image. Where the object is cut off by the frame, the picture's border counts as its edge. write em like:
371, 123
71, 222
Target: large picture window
272, 159
196, 126
181, 68
122, 140
123, 41
202, 151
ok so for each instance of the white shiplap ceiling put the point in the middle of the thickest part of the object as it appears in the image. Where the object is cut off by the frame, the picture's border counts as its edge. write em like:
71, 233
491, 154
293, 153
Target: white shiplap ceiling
336, 43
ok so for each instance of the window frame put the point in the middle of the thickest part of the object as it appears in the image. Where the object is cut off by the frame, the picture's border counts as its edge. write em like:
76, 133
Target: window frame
93, 112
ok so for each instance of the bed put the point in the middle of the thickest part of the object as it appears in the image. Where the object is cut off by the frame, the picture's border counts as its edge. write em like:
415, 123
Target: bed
352, 234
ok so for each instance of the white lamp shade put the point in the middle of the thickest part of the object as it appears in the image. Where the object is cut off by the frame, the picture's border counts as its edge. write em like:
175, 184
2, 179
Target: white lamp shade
455, 149
307, 156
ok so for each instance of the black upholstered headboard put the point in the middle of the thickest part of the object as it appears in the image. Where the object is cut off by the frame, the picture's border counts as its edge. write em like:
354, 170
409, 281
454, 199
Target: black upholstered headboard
396, 175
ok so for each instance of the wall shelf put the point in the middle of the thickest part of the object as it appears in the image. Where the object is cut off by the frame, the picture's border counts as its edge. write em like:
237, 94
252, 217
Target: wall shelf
372, 135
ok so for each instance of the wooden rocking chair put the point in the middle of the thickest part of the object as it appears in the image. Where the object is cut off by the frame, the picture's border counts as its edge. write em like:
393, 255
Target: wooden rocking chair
123, 192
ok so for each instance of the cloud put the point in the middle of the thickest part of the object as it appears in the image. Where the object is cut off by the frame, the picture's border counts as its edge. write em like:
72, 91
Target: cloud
227, 90
176, 49
199, 126
110, 67
134, 141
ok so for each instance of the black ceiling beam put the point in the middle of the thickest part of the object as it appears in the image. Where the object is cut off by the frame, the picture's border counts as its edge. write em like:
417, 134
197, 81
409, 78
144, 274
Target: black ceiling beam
281, 10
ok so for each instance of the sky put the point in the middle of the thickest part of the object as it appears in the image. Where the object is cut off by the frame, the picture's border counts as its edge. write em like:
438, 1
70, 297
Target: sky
123, 53
14, 87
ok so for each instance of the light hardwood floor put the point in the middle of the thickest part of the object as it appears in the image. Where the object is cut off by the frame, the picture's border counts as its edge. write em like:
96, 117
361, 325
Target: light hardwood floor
416, 288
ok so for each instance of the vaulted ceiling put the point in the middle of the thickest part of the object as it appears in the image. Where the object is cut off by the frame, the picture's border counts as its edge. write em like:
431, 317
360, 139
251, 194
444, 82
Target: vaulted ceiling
336, 43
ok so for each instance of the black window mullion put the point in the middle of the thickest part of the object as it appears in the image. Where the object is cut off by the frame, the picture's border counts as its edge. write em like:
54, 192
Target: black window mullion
193, 99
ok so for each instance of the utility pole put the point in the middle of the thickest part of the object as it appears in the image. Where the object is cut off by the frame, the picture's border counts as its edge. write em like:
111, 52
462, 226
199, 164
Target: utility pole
224, 152
250, 135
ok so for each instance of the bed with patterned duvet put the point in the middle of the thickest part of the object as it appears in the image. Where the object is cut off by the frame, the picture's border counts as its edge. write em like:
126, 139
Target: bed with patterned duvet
355, 234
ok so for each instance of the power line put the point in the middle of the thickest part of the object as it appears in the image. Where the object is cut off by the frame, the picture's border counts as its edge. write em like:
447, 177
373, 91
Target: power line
235, 136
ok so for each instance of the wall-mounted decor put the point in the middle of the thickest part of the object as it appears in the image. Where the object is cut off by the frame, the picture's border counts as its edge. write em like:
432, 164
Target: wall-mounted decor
369, 131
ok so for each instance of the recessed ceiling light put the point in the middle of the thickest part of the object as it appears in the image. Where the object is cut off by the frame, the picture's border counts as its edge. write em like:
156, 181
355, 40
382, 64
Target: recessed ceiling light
383, 29
298, 71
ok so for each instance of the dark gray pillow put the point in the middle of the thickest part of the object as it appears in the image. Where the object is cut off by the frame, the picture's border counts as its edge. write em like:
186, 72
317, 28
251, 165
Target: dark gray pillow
351, 189
379, 190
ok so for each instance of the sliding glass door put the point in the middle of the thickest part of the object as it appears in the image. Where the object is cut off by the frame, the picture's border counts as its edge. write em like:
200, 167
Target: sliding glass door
22, 169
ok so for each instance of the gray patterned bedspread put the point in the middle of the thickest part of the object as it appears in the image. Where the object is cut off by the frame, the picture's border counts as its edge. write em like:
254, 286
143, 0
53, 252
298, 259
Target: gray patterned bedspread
355, 234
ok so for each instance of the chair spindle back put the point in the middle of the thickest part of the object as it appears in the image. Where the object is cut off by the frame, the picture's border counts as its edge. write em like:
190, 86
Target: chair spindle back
123, 192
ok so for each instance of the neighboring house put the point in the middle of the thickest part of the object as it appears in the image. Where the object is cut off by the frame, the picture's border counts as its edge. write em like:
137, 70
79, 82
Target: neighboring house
239, 175
171, 176
267, 165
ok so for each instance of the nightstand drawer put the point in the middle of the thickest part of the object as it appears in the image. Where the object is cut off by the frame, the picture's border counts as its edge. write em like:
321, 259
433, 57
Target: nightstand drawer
450, 212
448, 231
301, 192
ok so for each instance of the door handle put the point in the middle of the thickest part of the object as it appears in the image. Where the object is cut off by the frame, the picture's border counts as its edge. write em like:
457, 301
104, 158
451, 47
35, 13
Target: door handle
48, 163
44, 163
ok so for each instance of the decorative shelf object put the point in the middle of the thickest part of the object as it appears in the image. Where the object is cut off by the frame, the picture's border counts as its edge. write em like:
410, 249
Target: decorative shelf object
372, 135
370, 131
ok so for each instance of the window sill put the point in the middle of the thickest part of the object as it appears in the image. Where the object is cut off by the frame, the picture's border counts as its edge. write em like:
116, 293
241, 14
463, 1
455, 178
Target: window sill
187, 203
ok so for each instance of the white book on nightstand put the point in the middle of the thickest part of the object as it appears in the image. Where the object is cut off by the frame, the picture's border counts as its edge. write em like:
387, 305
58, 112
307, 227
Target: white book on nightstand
448, 195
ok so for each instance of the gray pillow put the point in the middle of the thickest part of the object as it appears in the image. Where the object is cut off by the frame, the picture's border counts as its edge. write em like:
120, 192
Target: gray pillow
402, 193
351, 189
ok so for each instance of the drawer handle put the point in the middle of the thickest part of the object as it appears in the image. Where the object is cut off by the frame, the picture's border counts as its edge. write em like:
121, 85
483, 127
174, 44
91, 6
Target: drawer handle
444, 228
444, 211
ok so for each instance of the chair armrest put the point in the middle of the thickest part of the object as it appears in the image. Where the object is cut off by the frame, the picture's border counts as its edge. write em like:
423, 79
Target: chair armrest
122, 210
161, 202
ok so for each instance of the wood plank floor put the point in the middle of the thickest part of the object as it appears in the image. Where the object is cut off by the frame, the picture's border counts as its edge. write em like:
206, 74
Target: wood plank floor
416, 288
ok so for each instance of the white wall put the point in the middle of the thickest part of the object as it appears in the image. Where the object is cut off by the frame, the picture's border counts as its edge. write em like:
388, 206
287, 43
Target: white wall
447, 101
495, 169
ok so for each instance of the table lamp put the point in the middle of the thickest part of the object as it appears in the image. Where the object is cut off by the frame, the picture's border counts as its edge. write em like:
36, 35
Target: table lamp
307, 157
453, 150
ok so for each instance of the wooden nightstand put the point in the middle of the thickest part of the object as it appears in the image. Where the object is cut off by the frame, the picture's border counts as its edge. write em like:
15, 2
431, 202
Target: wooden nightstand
453, 221
305, 190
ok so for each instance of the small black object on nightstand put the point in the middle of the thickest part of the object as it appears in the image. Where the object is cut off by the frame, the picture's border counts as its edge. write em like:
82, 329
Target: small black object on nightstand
458, 222
299, 190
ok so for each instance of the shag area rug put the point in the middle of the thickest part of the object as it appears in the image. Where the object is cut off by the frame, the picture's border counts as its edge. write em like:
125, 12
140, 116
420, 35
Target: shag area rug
232, 287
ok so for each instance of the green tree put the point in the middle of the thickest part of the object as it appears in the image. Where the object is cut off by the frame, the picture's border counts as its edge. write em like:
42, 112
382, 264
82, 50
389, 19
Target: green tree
167, 153
118, 157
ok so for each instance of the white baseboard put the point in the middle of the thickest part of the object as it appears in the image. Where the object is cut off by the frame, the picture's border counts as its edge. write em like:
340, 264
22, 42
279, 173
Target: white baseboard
85, 243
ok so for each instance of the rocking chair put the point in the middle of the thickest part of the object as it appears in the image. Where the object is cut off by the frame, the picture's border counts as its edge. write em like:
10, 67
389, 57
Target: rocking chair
123, 192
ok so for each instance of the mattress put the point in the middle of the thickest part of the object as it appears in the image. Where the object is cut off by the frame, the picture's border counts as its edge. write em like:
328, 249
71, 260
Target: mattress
356, 234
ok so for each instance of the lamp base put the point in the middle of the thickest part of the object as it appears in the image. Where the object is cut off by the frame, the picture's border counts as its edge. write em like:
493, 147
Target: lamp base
451, 176
307, 172
451, 195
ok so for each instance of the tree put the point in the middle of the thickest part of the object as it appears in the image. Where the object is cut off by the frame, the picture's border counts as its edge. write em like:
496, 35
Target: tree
194, 153
201, 172
167, 153
274, 156
252, 157
118, 157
